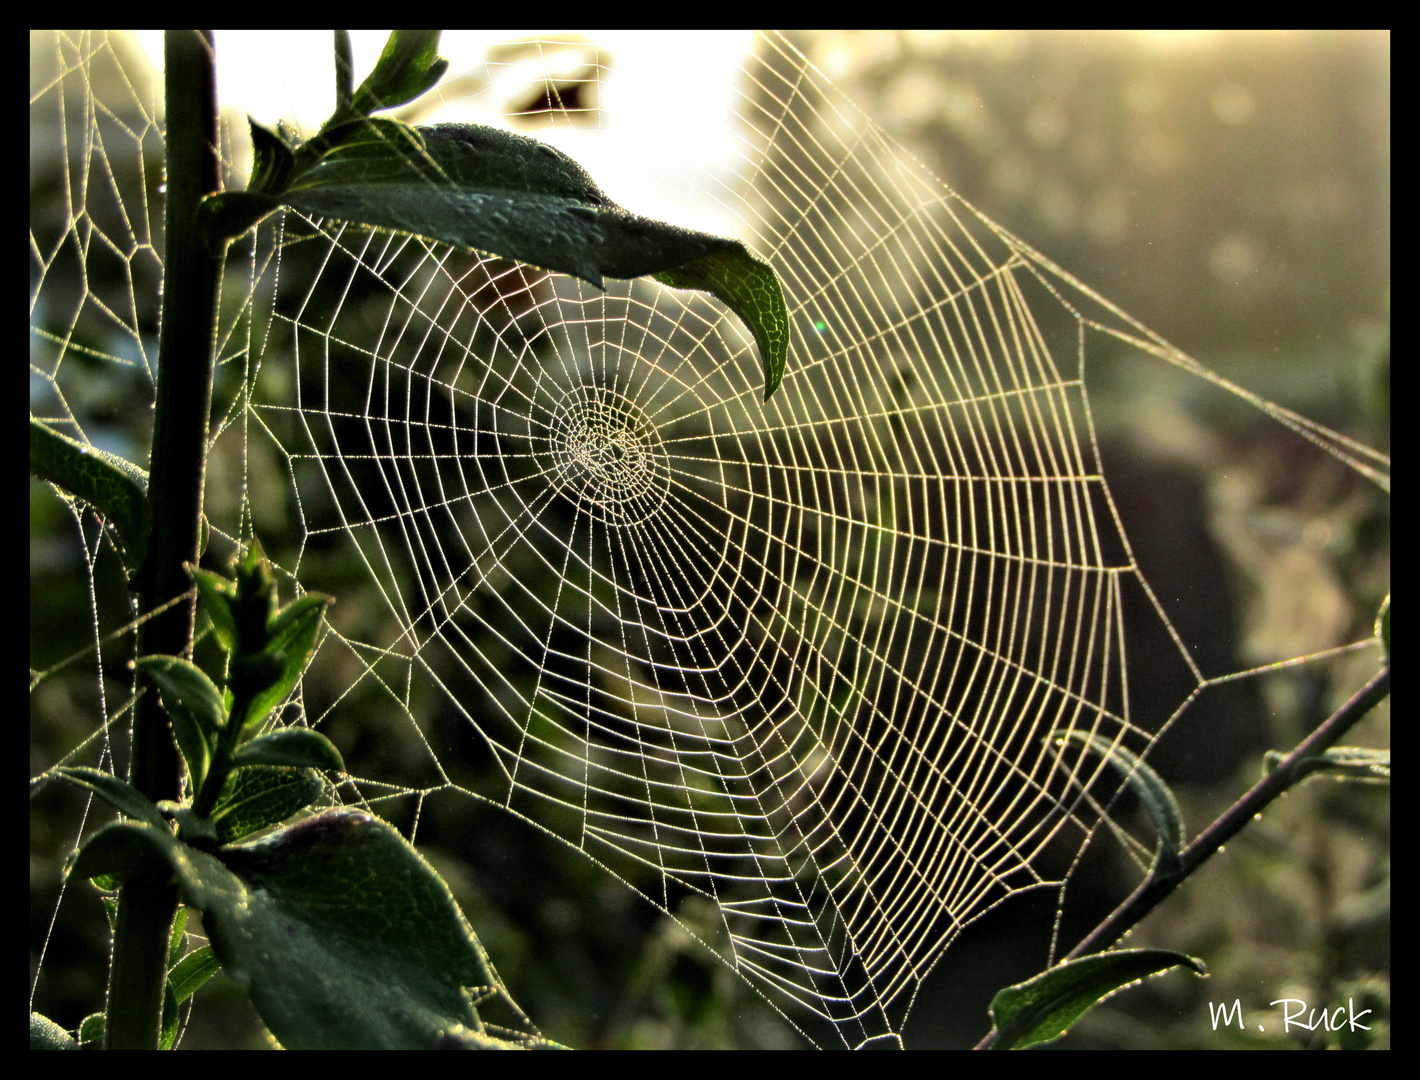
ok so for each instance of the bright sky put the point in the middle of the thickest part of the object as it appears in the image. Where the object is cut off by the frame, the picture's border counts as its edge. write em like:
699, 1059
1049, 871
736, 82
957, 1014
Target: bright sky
666, 101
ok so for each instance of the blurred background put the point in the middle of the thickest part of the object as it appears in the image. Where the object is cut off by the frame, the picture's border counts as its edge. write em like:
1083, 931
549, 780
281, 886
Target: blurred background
1229, 190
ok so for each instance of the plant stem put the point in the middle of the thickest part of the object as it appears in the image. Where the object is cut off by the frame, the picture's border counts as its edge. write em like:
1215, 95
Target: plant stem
1154, 890
1149, 894
191, 277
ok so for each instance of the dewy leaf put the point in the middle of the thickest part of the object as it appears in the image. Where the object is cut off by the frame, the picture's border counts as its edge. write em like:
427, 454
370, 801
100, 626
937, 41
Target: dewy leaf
184, 683
495, 191
257, 798
1155, 795
91, 1031
751, 290
168, 1033
340, 931
1044, 1008
124, 849
217, 594
177, 939
190, 973
297, 747
116, 488
272, 159
343, 935
409, 65
292, 636
45, 1034
293, 631
120, 794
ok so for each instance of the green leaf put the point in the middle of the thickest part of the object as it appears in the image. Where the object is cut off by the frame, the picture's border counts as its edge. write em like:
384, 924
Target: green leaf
228, 214
217, 594
293, 631
297, 747
116, 488
45, 1034
255, 601
186, 686
1044, 1008
409, 66
91, 1031
256, 679
176, 943
490, 190
168, 1033
347, 938
343, 935
190, 973
120, 794
195, 733
1358, 763
750, 289
123, 850
272, 159
177, 940
193, 743
259, 797
340, 931
291, 639
1155, 795
196, 708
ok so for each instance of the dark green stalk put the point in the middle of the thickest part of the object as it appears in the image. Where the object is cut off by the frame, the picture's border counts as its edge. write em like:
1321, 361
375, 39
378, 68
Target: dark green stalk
191, 276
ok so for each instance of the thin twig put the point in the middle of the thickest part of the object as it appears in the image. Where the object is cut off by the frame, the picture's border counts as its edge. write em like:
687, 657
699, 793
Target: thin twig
1234, 819
1154, 890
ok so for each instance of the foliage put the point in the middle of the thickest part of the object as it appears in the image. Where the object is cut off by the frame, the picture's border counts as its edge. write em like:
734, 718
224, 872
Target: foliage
495, 191
344, 935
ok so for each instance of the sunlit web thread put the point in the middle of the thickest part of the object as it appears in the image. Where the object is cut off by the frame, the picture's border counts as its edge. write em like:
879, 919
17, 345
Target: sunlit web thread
801, 658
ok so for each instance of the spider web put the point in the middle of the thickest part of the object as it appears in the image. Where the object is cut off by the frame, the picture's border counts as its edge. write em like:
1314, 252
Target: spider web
802, 662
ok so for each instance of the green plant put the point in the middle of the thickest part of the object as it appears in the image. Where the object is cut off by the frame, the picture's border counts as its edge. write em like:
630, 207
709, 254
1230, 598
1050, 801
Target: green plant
335, 176
308, 951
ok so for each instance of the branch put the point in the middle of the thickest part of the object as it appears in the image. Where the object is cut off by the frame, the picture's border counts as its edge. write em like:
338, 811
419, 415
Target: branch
1153, 891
